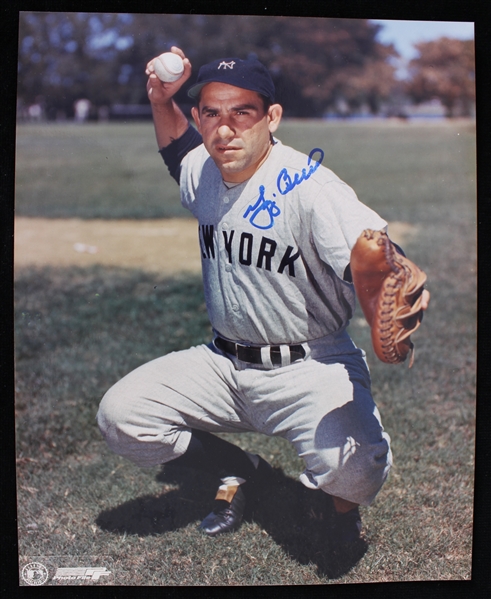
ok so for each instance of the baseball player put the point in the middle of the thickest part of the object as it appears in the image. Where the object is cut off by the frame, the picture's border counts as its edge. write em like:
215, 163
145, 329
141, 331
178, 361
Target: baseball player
276, 228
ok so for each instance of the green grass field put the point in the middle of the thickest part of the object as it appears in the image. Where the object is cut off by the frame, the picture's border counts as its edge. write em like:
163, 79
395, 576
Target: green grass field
79, 330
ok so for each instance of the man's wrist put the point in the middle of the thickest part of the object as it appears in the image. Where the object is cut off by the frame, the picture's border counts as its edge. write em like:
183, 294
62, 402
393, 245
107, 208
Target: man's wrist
162, 106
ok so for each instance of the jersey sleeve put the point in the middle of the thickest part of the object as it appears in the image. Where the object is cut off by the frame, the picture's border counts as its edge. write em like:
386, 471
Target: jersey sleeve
174, 153
338, 219
194, 175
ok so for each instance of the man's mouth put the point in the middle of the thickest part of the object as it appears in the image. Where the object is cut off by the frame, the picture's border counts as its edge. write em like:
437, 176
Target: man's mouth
223, 149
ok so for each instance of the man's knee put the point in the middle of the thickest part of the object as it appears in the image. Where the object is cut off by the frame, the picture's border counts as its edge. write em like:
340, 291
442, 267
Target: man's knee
112, 418
354, 455
141, 431
353, 472
368, 471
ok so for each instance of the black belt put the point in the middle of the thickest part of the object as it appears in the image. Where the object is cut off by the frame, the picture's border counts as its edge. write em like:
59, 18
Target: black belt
252, 354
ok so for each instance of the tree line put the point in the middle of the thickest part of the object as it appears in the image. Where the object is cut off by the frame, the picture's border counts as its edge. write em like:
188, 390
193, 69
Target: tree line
319, 65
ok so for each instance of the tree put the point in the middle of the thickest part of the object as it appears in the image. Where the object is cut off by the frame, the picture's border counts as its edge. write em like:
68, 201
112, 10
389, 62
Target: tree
63, 57
444, 69
318, 64
334, 62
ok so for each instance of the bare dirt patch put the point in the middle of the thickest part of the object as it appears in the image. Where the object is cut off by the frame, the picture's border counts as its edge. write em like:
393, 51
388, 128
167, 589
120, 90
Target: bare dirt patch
166, 246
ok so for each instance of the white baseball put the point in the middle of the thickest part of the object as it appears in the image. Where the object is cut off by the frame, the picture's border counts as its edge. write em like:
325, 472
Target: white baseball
168, 67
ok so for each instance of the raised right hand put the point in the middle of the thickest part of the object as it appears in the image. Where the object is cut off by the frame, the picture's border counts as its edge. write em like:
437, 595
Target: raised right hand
160, 92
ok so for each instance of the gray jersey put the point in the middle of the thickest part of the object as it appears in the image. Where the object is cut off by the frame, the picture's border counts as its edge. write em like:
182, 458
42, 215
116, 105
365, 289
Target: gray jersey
274, 248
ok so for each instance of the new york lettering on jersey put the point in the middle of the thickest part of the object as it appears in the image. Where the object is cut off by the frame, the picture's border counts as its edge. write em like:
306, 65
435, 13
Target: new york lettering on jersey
248, 249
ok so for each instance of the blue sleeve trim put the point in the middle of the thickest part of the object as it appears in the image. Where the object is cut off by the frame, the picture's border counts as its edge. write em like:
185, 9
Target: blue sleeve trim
178, 148
398, 249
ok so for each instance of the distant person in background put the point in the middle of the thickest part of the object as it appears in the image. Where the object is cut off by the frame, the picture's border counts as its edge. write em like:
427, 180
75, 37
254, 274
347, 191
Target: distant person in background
82, 109
35, 113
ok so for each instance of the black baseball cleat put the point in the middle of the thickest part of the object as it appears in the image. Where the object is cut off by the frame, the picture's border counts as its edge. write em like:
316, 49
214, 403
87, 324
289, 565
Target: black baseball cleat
226, 515
230, 504
345, 529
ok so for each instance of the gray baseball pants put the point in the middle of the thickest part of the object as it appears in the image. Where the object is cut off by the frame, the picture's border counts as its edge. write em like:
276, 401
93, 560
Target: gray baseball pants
321, 404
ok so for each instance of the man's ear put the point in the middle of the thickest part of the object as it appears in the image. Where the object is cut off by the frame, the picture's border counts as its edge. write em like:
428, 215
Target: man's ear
195, 115
275, 113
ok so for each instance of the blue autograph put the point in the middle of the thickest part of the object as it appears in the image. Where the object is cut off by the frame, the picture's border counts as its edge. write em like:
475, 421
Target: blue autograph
259, 207
285, 183
266, 210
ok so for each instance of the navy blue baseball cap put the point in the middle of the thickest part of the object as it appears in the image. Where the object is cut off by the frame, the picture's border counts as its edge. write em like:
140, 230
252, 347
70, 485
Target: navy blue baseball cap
247, 74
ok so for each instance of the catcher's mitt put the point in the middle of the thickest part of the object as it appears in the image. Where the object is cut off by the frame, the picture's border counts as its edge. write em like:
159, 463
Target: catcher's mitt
389, 288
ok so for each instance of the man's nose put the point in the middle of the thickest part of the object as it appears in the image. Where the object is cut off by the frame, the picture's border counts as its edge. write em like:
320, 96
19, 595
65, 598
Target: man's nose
225, 131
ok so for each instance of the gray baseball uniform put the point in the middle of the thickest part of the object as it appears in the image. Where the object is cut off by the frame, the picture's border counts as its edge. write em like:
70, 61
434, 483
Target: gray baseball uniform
275, 249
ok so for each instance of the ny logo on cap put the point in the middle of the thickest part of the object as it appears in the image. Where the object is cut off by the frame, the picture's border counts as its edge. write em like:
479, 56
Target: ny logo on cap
227, 65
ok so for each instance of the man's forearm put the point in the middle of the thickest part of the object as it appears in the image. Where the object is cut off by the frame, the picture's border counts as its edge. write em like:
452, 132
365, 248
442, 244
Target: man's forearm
169, 122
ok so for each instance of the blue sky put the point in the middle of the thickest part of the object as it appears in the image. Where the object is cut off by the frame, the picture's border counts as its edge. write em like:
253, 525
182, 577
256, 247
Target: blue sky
403, 34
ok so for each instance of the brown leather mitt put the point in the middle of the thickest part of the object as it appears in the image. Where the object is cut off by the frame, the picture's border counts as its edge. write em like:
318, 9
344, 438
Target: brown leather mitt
389, 288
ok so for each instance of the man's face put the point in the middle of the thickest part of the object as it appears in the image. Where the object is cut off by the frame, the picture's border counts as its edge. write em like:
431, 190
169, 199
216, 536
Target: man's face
235, 128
